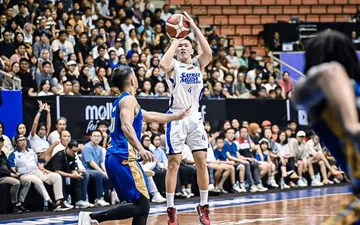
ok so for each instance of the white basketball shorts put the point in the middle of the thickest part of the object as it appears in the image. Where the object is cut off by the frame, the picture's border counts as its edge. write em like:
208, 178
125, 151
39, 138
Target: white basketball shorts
189, 130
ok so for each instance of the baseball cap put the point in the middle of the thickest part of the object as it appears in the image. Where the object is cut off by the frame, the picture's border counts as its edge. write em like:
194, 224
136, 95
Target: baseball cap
266, 123
300, 133
1, 138
118, 40
98, 85
71, 62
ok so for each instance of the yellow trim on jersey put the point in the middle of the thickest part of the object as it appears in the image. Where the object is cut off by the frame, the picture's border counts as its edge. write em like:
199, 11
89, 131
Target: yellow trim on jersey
132, 153
352, 155
139, 178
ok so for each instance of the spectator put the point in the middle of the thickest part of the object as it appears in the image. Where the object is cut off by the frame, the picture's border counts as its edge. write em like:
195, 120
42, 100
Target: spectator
92, 158
244, 155
41, 45
44, 89
64, 163
101, 78
46, 75
8, 82
276, 43
76, 87
117, 47
286, 82
60, 126
223, 164
39, 131
86, 84
166, 13
62, 43
19, 53
24, 161
244, 59
67, 88
102, 60
218, 91
271, 84
18, 190
298, 146
98, 90
265, 157
127, 26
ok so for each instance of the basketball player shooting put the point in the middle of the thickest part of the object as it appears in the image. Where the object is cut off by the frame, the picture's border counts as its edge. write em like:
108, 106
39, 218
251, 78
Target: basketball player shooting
124, 171
330, 94
184, 78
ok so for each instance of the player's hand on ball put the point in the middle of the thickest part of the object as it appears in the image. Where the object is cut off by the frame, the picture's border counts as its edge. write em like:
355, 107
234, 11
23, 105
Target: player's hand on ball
188, 18
146, 156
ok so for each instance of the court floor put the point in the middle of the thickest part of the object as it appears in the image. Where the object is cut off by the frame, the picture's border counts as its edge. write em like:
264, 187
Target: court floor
300, 207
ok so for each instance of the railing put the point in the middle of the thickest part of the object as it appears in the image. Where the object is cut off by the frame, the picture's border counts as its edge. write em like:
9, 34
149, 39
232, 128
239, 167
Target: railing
286, 64
16, 85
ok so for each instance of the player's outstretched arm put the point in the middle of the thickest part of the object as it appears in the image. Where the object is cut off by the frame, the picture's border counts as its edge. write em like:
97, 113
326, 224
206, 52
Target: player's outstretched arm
128, 106
206, 55
324, 80
162, 117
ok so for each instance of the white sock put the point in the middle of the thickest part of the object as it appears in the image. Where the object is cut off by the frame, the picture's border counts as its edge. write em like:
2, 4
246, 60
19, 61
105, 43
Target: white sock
188, 190
170, 200
204, 194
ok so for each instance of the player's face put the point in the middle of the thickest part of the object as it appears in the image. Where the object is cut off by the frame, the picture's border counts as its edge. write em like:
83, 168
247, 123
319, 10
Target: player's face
184, 50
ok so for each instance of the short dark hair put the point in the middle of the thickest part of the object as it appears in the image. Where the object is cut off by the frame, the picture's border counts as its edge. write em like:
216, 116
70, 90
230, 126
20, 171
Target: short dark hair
102, 122
45, 63
101, 47
120, 75
227, 130
72, 144
219, 138
94, 131
63, 32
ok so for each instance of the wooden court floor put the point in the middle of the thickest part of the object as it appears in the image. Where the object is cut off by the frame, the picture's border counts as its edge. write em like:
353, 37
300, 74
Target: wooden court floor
292, 207
307, 211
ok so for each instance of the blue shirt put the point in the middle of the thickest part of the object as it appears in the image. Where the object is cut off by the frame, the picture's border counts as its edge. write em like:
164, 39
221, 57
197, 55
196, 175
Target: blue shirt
160, 157
119, 144
25, 162
220, 155
91, 153
231, 148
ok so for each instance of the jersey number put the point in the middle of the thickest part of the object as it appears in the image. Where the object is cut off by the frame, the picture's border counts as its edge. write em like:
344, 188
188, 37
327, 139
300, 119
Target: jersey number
112, 125
189, 90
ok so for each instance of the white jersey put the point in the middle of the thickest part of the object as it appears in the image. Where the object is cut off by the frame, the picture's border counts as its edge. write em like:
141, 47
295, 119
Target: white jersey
186, 85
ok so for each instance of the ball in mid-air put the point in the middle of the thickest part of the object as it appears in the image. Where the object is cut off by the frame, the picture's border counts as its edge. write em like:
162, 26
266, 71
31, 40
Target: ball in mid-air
177, 26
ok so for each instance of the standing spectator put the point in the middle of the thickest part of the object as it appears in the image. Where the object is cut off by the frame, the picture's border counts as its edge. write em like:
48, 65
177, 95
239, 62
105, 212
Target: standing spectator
18, 190
286, 82
64, 163
7, 48
92, 158
82, 49
26, 78
23, 17
127, 26
25, 162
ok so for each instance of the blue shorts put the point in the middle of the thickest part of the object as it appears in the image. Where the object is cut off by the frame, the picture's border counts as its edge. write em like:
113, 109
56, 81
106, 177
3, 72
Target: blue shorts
127, 177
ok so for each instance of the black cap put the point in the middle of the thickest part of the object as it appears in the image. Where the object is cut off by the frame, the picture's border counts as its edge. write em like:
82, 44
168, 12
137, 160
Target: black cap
99, 85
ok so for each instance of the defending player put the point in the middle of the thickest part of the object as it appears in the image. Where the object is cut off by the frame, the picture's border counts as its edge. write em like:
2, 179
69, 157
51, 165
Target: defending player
331, 94
124, 171
184, 79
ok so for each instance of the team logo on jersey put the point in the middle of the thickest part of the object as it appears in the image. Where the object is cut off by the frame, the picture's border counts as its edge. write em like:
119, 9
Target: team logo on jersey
182, 66
190, 78
190, 68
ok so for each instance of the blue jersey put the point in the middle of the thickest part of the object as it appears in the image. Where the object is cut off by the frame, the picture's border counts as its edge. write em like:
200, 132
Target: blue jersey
119, 144
328, 126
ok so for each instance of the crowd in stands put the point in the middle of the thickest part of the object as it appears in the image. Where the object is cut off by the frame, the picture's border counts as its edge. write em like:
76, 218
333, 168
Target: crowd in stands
72, 48
242, 157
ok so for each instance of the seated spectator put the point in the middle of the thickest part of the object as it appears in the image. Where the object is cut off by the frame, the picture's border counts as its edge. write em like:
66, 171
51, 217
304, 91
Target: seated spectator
44, 89
101, 78
270, 85
7, 147
26, 78
18, 190
39, 132
76, 87
286, 82
160, 90
46, 75
86, 84
337, 178
148, 169
284, 152
298, 146
223, 165
64, 163
67, 88
98, 90
265, 156
92, 158
45, 56
25, 162
20, 53
62, 43
71, 67
316, 155
217, 91
244, 155
8, 82
146, 91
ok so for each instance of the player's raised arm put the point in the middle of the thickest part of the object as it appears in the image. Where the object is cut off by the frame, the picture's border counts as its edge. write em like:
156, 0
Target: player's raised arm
162, 117
128, 105
323, 81
206, 55
167, 61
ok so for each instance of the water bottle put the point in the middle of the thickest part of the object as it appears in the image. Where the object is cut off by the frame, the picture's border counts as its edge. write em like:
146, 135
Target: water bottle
69, 199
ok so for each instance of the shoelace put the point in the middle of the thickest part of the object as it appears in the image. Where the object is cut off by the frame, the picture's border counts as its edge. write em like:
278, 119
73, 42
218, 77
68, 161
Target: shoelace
206, 212
171, 214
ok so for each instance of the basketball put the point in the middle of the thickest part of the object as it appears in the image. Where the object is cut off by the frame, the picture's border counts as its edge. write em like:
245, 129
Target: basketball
177, 26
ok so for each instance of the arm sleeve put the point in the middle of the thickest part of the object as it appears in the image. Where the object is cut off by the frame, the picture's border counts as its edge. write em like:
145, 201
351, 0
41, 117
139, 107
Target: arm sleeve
11, 160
